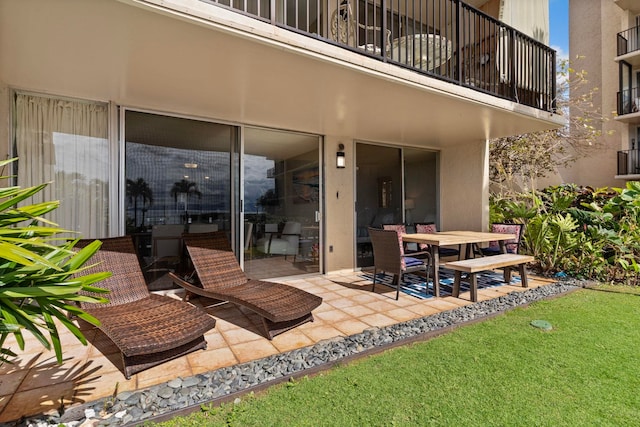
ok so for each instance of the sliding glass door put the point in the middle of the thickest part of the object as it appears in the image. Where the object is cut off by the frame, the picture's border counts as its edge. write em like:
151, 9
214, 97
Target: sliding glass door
282, 196
178, 175
394, 185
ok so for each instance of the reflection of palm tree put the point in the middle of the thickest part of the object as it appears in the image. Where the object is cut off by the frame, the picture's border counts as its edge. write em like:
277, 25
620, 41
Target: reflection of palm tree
185, 187
135, 190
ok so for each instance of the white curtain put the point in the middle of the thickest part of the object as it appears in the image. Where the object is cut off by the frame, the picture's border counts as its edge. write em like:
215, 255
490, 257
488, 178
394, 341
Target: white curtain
66, 143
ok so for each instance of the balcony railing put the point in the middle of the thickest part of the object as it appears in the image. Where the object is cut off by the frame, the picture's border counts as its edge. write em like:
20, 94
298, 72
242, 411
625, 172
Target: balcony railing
446, 39
628, 41
628, 101
629, 162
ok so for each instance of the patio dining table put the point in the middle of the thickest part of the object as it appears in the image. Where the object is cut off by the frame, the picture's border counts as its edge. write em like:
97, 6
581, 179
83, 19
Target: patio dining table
446, 238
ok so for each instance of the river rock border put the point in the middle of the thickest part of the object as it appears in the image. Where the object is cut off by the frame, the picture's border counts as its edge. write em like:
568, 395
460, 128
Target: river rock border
136, 407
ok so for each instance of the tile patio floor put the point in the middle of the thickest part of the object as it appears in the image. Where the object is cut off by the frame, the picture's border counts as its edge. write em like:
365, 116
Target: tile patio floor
36, 383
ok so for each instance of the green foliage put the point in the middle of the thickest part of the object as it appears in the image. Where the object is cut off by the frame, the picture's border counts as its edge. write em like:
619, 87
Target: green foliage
40, 271
581, 231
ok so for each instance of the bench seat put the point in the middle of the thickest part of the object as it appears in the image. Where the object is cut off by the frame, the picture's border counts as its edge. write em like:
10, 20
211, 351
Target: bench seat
507, 262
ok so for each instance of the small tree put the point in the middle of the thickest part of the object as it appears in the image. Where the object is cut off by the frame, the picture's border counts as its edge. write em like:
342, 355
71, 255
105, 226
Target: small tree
525, 158
40, 279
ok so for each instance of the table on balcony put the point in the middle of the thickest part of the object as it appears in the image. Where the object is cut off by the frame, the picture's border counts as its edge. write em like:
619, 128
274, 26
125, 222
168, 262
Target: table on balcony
448, 238
424, 51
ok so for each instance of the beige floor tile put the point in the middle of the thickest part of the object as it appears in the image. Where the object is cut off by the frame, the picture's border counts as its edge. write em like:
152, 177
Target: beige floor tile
211, 359
37, 401
322, 332
331, 316
441, 304
401, 314
215, 340
291, 340
158, 374
382, 306
342, 302
240, 335
358, 310
422, 309
351, 327
9, 383
253, 350
378, 320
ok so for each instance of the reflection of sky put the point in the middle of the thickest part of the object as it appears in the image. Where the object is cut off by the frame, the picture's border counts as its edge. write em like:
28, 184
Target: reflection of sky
161, 167
256, 182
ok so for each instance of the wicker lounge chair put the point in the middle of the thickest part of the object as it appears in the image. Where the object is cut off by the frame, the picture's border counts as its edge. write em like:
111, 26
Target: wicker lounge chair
219, 276
148, 329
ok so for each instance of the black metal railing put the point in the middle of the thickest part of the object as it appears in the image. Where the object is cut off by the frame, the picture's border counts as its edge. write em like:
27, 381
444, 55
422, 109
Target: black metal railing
628, 101
629, 162
628, 41
447, 39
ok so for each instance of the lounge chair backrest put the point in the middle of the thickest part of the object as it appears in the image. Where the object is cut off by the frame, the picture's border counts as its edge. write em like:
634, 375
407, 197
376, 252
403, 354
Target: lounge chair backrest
117, 255
213, 260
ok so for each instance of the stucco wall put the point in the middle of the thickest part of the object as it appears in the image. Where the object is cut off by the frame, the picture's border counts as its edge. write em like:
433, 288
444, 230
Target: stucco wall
464, 187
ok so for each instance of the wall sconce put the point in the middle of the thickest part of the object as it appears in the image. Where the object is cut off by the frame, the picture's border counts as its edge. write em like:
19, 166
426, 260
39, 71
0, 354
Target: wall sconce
340, 160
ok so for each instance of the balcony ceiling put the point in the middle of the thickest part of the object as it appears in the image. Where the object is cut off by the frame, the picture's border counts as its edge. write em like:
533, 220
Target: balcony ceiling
630, 5
135, 57
633, 58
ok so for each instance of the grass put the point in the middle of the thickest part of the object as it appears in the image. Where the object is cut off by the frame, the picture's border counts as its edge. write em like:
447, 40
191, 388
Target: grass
501, 372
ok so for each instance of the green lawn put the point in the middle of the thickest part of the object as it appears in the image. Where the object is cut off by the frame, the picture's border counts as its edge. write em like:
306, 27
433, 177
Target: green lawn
585, 372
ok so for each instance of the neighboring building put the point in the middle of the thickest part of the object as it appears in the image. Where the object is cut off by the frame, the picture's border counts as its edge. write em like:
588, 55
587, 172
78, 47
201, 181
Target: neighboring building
237, 116
605, 34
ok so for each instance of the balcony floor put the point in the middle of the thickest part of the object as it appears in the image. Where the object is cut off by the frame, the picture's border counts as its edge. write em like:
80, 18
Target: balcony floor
36, 384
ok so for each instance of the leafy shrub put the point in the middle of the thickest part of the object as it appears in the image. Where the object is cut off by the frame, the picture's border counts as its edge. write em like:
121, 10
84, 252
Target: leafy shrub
581, 231
40, 276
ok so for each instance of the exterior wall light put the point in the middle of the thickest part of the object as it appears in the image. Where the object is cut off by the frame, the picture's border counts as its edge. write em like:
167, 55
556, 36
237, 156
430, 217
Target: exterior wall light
340, 160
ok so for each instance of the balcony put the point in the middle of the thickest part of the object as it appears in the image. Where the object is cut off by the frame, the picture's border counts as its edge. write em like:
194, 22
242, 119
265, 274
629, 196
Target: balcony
446, 39
629, 164
628, 46
628, 106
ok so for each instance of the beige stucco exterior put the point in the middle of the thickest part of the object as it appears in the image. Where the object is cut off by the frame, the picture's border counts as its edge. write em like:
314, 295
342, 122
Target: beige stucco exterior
593, 27
191, 58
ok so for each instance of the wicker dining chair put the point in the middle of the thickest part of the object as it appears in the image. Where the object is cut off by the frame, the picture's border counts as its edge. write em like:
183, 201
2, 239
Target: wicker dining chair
219, 276
388, 256
148, 329
512, 246
430, 227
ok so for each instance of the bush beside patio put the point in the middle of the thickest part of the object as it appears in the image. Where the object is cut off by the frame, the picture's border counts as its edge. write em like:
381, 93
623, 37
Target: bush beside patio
578, 231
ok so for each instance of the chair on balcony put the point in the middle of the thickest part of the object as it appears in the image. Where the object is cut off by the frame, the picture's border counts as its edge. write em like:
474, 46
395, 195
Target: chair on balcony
218, 275
512, 246
388, 256
148, 329
343, 30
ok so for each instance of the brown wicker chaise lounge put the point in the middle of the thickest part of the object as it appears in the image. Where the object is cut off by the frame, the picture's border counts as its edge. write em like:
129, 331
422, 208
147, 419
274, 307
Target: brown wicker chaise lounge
148, 329
219, 276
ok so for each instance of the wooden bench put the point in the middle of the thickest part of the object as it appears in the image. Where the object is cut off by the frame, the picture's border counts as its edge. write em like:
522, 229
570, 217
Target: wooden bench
475, 265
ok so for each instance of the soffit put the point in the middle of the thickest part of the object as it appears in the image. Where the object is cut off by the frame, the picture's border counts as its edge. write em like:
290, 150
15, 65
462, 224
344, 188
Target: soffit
136, 57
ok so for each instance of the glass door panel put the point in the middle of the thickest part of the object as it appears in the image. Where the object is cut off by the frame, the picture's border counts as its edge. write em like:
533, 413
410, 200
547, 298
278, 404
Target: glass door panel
281, 203
378, 194
178, 179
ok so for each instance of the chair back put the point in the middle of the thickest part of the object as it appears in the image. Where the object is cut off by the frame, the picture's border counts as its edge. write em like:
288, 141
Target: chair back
512, 245
126, 284
387, 253
165, 240
214, 261
426, 228
202, 228
400, 229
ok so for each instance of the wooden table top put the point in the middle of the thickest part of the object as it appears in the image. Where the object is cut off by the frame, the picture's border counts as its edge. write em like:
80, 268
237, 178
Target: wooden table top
445, 238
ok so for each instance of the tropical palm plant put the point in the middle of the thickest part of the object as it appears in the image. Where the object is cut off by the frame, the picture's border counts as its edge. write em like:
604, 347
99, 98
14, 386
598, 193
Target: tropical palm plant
139, 189
185, 187
40, 273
